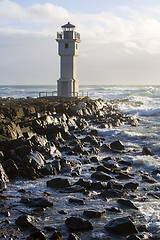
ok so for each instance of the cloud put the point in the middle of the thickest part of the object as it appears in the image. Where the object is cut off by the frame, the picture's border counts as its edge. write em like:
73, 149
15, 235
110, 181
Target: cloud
114, 49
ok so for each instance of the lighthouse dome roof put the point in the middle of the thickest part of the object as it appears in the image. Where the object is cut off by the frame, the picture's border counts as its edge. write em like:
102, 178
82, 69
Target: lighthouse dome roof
68, 25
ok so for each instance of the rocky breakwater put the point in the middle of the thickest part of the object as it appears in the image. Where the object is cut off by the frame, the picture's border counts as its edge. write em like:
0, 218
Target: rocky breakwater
59, 137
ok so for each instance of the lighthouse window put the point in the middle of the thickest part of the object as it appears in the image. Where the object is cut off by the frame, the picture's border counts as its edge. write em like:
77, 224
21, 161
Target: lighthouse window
66, 45
76, 46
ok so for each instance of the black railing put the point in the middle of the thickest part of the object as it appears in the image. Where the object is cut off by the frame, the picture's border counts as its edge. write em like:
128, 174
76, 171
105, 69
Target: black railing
68, 35
47, 94
54, 93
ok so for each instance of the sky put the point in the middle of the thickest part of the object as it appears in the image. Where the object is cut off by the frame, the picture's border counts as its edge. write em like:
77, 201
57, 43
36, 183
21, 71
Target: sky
120, 41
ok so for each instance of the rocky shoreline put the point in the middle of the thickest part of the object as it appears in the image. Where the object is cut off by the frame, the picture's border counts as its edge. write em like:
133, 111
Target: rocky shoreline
59, 138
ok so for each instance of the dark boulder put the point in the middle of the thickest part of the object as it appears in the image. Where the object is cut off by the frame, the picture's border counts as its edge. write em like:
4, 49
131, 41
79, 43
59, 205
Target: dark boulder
101, 176
117, 145
10, 167
121, 226
126, 203
76, 201
73, 189
78, 224
110, 163
93, 213
114, 185
104, 169
58, 183
22, 151
48, 170
37, 235
106, 148
26, 221
147, 151
111, 193
148, 179
36, 202
83, 183
131, 185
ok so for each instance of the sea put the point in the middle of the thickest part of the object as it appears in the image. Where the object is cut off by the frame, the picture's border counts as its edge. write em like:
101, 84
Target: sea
141, 102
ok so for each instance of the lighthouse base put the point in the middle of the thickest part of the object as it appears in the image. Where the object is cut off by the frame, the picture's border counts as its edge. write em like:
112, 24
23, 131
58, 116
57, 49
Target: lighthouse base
68, 87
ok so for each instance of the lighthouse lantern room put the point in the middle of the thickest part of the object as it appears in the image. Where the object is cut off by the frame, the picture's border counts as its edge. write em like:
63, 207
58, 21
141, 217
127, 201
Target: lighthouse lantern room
68, 50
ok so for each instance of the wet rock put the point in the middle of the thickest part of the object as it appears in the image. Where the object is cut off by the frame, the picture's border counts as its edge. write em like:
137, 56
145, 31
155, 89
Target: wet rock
56, 235
93, 213
26, 221
126, 203
131, 185
148, 179
36, 202
147, 151
58, 183
114, 185
62, 212
37, 235
121, 226
123, 175
37, 160
93, 132
48, 170
94, 159
98, 185
3, 178
104, 169
111, 193
10, 167
106, 148
92, 140
83, 183
117, 145
76, 201
110, 163
73, 189
73, 236
78, 224
22, 151
124, 162
99, 175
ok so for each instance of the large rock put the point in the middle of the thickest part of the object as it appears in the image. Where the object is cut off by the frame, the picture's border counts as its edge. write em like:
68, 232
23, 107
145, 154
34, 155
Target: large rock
3, 178
147, 151
117, 145
121, 226
26, 221
101, 176
37, 235
36, 160
36, 202
10, 167
78, 224
126, 203
58, 183
93, 213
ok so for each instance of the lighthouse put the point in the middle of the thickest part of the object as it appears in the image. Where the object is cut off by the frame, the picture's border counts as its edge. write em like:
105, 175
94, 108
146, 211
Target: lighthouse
68, 50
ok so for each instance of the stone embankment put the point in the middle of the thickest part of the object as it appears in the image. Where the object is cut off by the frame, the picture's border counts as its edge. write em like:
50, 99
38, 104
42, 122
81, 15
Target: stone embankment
37, 139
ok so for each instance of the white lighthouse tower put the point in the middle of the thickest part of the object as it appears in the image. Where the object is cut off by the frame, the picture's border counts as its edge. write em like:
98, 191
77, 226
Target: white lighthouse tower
68, 49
